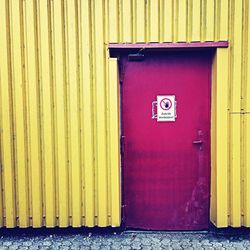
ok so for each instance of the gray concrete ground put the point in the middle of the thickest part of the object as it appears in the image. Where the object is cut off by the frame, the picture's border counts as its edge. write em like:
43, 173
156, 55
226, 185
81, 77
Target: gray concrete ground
65, 239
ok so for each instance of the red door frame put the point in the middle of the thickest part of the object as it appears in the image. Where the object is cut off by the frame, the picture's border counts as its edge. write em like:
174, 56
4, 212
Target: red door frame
116, 49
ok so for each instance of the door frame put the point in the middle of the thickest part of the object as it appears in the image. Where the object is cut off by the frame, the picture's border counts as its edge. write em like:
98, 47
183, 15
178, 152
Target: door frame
219, 119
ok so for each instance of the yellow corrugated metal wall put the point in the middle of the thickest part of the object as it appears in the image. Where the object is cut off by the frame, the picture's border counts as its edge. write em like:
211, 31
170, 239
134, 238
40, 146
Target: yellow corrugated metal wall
59, 104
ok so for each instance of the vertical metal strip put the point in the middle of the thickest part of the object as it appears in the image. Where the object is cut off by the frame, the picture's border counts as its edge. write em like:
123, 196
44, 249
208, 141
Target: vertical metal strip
87, 122
22, 191
25, 103
235, 170
100, 116
93, 103
236, 80
67, 102
33, 107
196, 21
161, 20
168, 21
182, 21
209, 31
223, 35
217, 5
113, 21
7, 132
46, 96
213, 186
247, 122
140, 21
26, 107
53, 103
106, 79
79, 108
38, 41
222, 147
243, 106
247, 171
120, 21
1, 158
154, 21
126, 19
203, 10
60, 103
189, 20
247, 94
114, 142
74, 118
147, 21
133, 19
175, 18
80, 99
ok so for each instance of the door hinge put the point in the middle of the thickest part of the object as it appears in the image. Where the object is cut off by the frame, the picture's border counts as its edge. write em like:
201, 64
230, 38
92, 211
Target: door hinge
121, 71
123, 214
122, 144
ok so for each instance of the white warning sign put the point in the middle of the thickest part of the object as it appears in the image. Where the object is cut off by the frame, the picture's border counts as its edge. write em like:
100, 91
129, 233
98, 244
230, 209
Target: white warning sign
166, 108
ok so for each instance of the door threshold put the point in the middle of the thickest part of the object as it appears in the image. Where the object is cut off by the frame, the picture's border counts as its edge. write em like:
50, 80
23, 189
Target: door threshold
129, 231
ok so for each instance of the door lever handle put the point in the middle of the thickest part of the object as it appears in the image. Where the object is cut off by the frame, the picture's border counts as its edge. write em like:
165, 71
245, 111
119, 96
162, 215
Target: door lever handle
197, 142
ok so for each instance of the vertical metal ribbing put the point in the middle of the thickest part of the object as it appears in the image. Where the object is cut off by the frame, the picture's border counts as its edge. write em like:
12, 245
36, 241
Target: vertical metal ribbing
55, 82
7, 155
19, 111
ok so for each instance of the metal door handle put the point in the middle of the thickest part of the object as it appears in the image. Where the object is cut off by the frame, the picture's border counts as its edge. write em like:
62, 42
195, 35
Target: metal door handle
197, 142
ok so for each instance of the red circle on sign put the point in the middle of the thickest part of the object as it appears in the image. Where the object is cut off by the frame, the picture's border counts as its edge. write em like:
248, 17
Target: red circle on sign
166, 104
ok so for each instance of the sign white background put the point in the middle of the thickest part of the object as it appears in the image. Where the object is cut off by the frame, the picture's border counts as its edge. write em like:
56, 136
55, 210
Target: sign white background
166, 108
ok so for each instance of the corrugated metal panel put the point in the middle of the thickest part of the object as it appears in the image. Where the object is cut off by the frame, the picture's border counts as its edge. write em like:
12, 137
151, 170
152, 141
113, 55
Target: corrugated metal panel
219, 140
59, 104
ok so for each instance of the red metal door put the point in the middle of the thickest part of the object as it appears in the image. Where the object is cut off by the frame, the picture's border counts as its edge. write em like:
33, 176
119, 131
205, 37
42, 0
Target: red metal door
166, 165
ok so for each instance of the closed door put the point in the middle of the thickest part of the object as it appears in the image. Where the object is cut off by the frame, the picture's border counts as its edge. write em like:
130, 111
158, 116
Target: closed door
166, 164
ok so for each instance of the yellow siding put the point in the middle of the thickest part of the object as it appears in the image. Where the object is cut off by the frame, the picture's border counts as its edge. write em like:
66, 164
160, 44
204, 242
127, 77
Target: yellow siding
114, 106
61, 159
209, 21
140, 21
219, 140
33, 116
59, 104
47, 113
222, 32
181, 20
126, 20
113, 22
154, 20
87, 121
246, 174
196, 20
18, 101
74, 119
167, 21
7, 154
246, 127
235, 117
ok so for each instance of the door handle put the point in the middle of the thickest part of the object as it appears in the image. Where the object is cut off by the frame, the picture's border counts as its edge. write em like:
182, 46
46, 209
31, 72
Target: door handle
198, 142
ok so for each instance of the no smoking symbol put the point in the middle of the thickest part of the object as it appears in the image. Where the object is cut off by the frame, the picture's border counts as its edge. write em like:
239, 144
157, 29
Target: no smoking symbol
166, 104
